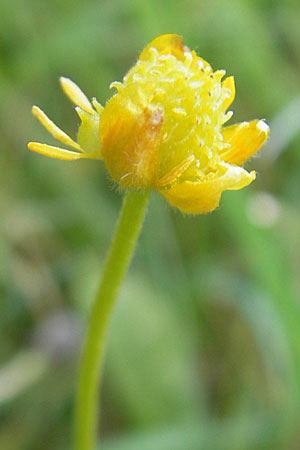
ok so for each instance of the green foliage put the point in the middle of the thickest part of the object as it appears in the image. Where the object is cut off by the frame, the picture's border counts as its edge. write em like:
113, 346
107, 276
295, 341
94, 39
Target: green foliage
204, 347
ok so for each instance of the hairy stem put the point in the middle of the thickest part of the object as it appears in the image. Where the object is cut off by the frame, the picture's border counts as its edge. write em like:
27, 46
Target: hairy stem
118, 259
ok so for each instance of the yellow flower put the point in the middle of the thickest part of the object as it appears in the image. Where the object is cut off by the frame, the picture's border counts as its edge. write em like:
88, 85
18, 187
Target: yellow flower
163, 129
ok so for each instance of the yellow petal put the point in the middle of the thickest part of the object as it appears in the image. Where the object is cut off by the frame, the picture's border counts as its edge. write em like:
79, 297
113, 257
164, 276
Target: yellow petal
76, 95
170, 44
54, 152
229, 84
244, 139
53, 129
204, 196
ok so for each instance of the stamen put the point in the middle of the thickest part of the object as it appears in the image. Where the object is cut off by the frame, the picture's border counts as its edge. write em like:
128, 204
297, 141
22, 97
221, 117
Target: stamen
98, 107
54, 129
76, 95
227, 117
117, 85
219, 74
180, 111
175, 173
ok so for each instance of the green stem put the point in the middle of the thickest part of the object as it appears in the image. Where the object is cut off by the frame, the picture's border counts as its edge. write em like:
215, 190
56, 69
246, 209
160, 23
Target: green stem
119, 256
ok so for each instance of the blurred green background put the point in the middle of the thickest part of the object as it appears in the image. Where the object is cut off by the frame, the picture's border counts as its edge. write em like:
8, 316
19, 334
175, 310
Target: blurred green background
204, 348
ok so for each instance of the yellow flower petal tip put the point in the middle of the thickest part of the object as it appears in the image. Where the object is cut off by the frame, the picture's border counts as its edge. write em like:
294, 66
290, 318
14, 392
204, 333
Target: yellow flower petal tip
164, 128
53, 152
76, 95
244, 140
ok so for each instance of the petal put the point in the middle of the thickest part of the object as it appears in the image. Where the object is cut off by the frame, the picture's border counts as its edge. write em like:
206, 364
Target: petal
244, 139
229, 84
53, 129
167, 44
54, 152
76, 95
204, 196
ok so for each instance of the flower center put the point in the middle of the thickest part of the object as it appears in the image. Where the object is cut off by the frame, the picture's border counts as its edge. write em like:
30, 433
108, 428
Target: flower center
191, 97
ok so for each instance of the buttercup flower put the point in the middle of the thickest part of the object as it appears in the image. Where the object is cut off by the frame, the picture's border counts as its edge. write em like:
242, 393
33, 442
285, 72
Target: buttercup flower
164, 129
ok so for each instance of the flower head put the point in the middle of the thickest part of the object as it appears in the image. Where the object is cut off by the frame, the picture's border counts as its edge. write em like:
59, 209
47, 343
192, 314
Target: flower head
163, 129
